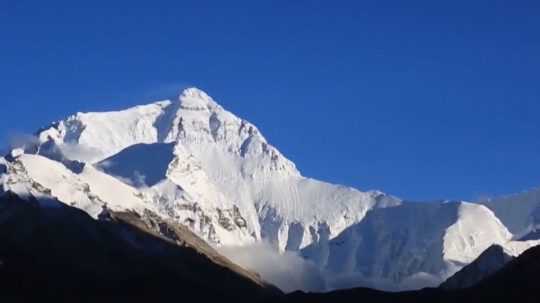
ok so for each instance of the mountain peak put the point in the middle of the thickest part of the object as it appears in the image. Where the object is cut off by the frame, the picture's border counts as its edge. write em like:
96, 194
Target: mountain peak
193, 98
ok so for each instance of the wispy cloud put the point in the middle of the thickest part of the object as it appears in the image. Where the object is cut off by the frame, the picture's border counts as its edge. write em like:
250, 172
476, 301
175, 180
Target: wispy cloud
290, 272
138, 180
80, 152
21, 140
287, 270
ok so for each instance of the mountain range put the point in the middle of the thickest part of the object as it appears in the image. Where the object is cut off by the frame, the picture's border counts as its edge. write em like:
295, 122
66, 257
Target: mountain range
186, 168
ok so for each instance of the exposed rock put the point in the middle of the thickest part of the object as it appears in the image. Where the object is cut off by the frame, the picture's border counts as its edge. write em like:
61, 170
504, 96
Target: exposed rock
490, 261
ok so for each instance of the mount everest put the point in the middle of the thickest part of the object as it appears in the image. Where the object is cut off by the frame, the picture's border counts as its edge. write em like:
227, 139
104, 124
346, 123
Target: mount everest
190, 161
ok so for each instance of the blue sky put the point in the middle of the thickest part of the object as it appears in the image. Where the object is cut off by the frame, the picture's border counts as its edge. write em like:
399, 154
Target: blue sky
421, 99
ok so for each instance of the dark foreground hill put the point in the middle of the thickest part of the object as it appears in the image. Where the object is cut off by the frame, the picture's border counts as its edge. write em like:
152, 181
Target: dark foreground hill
56, 252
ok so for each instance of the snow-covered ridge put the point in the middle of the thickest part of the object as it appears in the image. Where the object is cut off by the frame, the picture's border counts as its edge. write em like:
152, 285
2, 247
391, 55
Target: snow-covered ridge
89, 190
91, 137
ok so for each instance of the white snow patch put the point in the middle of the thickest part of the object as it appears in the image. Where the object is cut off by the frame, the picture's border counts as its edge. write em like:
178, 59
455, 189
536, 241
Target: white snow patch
17, 152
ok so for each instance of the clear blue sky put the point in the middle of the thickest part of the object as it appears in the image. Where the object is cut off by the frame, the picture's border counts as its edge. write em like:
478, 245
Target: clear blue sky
424, 100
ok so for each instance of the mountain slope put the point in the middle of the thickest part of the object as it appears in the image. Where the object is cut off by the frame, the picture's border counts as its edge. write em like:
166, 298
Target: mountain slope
519, 212
89, 189
516, 281
191, 154
52, 250
410, 246
490, 261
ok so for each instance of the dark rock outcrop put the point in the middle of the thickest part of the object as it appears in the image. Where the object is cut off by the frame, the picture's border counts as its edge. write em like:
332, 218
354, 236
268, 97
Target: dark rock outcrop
489, 262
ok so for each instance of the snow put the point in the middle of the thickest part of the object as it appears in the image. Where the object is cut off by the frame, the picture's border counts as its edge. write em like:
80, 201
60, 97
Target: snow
17, 152
90, 190
519, 212
397, 246
491, 260
219, 162
476, 229
191, 161
106, 133
516, 248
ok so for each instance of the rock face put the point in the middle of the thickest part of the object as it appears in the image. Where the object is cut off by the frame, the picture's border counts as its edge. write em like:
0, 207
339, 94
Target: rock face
52, 250
490, 261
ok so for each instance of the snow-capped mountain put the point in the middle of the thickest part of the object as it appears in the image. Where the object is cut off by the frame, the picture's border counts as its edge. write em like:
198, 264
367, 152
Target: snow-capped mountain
191, 161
